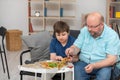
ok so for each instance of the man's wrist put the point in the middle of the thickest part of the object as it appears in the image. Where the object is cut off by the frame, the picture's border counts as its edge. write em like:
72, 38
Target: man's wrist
75, 51
94, 64
72, 47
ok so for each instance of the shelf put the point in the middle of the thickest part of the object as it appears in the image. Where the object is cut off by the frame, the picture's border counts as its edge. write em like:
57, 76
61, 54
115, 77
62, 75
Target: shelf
35, 17
52, 17
51, 1
50, 11
57, 17
115, 3
114, 19
69, 0
68, 17
112, 8
35, 0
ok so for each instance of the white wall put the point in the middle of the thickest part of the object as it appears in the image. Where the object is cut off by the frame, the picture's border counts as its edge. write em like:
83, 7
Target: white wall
13, 13
86, 6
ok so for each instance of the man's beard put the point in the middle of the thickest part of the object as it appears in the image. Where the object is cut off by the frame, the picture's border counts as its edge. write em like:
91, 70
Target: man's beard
95, 35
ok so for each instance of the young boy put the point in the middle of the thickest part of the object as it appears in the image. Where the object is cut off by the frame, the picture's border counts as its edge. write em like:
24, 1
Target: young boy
61, 41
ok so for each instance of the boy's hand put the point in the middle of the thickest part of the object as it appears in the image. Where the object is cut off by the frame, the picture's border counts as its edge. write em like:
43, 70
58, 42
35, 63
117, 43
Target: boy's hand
58, 58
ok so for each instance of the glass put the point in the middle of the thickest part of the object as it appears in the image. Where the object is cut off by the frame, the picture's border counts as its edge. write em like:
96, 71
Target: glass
93, 26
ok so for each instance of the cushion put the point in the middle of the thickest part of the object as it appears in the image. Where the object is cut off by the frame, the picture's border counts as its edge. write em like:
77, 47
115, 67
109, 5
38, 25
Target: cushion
39, 43
40, 54
38, 39
74, 33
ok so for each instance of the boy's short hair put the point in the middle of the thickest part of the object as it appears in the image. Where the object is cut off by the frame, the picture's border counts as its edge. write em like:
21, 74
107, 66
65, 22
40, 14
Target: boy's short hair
60, 26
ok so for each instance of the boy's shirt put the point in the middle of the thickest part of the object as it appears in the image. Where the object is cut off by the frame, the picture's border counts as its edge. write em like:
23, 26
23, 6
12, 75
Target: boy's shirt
56, 46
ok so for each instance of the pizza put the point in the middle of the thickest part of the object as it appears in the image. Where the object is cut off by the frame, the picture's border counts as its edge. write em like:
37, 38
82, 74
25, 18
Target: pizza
54, 64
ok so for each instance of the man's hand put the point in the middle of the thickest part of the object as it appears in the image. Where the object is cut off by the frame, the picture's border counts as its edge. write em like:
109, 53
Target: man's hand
69, 51
89, 68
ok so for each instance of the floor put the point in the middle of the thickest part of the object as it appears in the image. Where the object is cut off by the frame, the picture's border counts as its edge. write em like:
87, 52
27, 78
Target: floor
13, 62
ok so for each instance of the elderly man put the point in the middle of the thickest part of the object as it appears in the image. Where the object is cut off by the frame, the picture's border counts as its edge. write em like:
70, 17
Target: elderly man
98, 45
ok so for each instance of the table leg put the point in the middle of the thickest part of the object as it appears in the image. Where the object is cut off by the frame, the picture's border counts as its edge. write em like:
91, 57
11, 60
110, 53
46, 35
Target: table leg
73, 73
35, 76
45, 74
61, 76
43, 77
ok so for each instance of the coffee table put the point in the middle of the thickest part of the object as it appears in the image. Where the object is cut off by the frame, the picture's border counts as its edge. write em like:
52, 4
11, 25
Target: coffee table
36, 68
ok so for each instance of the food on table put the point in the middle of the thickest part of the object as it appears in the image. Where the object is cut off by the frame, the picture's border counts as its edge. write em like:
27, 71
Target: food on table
54, 64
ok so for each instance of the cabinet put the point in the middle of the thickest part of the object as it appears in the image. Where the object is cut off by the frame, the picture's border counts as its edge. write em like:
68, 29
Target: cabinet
113, 14
42, 14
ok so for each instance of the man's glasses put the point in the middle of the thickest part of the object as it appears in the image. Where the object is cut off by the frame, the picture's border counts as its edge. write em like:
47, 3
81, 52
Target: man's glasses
93, 26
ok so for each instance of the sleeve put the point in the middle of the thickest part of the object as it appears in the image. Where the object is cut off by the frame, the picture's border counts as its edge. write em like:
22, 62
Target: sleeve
113, 44
52, 46
79, 41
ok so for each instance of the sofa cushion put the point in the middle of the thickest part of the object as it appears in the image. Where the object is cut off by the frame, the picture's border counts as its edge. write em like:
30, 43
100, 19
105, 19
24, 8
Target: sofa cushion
74, 33
40, 54
39, 43
38, 39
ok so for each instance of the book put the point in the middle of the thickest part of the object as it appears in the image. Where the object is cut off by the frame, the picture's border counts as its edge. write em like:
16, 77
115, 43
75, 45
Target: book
117, 29
114, 26
30, 27
112, 12
61, 12
45, 11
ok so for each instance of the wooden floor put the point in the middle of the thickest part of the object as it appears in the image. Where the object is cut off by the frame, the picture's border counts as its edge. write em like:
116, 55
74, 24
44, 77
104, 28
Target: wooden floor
13, 62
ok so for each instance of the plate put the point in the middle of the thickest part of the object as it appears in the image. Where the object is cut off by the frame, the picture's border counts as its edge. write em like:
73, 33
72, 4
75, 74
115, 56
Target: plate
53, 64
